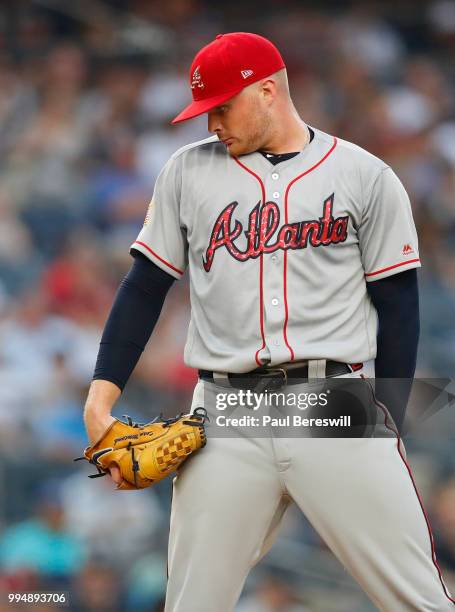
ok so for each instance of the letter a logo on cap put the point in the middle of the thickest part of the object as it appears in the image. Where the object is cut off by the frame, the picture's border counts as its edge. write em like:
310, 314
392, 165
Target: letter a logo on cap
197, 79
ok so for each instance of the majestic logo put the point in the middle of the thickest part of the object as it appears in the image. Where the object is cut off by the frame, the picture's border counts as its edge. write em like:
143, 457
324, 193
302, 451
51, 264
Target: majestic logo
246, 73
196, 81
407, 249
264, 236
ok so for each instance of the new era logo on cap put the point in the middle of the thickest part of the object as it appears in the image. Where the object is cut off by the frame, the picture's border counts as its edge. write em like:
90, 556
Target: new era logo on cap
246, 73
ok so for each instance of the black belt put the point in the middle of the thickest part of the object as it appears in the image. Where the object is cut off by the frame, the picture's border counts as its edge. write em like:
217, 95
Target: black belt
274, 378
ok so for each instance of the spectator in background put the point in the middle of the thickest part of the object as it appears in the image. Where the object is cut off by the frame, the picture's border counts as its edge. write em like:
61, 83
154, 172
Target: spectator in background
42, 543
443, 520
118, 190
97, 588
273, 594
77, 283
129, 527
30, 339
19, 263
146, 583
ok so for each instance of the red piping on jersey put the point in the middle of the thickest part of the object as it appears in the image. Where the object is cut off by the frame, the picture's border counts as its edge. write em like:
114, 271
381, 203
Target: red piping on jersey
403, 263
285, 259
355, 366
424, 512
166, 263
261, 268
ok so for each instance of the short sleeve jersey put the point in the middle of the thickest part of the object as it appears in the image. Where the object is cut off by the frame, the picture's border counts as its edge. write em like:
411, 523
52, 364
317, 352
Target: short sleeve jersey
279, 255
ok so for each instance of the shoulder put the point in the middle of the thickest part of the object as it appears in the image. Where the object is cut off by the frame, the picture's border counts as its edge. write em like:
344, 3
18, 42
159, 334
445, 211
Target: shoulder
187, 162
192, 157
351, 156
207, 146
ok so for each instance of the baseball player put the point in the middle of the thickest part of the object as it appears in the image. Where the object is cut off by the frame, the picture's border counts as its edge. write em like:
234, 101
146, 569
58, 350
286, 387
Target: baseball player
302, 256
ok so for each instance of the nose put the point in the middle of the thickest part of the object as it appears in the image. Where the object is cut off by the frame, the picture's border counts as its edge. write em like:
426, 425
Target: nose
213, 122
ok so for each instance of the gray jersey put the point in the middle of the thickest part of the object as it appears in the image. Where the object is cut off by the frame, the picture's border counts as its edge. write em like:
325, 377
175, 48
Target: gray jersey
279, 256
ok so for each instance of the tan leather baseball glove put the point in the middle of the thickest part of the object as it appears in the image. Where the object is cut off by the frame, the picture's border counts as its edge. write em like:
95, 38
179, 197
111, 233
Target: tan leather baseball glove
148, 452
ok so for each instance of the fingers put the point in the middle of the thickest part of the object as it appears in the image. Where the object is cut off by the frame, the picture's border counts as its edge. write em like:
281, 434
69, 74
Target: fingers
114, 471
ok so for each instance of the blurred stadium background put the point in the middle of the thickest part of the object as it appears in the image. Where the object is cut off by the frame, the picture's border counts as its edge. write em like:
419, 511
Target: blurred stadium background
87, 90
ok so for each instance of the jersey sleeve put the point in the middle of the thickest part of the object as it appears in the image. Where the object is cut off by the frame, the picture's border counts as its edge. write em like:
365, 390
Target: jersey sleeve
163, 237
387, 234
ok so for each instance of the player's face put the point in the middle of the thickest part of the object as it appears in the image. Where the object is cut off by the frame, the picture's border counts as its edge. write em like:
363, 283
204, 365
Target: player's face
242, 123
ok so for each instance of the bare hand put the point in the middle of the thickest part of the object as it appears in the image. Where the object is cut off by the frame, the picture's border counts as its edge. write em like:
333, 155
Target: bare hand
96, 425
101, 398
115, 473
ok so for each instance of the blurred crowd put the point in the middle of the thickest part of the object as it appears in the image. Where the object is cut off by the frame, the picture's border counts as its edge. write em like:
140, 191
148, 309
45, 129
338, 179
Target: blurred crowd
86, 95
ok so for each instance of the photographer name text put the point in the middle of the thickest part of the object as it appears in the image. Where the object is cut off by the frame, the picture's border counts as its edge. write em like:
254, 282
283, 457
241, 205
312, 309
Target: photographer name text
295, 420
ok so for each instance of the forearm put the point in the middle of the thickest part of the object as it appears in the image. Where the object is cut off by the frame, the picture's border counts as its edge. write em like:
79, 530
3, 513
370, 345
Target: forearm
397, 303
133, 316
398, 331
130, 323
101, 398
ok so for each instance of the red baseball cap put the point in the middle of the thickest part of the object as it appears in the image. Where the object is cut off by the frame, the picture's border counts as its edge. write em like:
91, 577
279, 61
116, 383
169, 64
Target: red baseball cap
227, 65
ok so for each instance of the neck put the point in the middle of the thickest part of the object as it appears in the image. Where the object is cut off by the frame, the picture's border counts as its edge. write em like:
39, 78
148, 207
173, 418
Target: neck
291, 135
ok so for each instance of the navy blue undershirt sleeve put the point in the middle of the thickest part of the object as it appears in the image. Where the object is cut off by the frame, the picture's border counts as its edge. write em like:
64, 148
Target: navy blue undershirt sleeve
396, 299
133, 316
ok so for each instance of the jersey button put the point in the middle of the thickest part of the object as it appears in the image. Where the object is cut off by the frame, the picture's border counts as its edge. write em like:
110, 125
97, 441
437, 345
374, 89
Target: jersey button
274, 258
275, 176
275, 301
276, 194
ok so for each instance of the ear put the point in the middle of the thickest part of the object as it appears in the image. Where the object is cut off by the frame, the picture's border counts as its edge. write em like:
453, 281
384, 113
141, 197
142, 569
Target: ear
268, 89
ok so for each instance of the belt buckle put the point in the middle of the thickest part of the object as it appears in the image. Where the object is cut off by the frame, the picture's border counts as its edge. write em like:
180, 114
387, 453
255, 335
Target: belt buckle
273, 382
